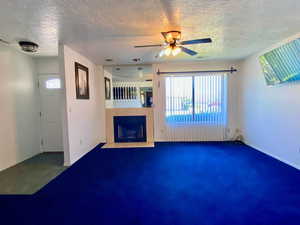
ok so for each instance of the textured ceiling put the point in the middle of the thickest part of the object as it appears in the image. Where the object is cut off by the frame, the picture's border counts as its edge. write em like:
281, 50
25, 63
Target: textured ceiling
102, 29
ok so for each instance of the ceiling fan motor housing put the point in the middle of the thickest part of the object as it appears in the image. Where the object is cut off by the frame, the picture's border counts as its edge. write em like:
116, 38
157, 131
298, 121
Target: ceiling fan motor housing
172, 36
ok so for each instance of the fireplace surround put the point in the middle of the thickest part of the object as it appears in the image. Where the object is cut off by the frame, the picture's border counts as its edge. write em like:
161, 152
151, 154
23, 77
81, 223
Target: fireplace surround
112, 139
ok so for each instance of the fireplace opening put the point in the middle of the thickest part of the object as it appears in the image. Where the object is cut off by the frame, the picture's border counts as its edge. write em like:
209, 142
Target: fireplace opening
130, 129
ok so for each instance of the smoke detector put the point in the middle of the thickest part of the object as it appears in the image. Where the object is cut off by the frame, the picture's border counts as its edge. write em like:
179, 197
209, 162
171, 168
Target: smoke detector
28, 46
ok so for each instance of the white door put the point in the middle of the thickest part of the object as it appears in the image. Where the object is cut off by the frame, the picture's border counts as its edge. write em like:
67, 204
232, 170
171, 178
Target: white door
51, 117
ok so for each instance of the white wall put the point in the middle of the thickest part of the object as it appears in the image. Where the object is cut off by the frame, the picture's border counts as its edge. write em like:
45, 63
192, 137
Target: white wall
163, 132
269, 116
19, 130
47, 65
83, 120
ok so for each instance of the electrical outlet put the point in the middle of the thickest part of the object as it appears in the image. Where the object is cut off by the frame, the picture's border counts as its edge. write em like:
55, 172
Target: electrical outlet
80, 142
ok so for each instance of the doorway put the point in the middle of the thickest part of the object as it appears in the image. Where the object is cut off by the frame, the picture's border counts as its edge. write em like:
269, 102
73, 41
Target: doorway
50, 114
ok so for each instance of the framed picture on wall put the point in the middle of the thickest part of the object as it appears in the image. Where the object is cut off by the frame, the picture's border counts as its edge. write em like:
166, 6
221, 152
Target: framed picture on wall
82, 81
107, 88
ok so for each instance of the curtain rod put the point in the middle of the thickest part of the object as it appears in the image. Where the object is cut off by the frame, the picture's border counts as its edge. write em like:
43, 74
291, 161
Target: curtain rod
199, 71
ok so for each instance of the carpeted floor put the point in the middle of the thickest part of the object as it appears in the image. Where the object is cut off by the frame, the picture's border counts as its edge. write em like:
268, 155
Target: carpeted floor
172, 184
32, 174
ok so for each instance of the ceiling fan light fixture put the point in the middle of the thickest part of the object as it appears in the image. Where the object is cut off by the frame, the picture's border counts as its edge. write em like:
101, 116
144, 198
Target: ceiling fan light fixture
173, 36
176, 50
168, 51
169, 37
173, 45
161, 53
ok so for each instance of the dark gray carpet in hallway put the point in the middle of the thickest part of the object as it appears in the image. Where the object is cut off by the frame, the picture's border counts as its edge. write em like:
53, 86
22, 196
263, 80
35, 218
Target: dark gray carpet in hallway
31, 175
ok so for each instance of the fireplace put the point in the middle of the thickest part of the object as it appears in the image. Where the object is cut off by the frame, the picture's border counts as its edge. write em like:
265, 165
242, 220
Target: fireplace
130, 129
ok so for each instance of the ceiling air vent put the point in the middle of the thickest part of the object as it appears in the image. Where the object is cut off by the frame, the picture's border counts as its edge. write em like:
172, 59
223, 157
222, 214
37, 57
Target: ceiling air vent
136, 59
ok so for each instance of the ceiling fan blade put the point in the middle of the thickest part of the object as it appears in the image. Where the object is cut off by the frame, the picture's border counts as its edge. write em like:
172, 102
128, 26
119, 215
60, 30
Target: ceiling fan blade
196, 41
146, 46
188, 51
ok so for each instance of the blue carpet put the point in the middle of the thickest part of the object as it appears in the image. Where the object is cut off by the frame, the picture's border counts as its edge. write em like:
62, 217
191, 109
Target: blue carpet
172, 184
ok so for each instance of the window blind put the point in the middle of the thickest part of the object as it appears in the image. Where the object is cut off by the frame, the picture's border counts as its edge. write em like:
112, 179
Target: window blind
196, 99
282, 64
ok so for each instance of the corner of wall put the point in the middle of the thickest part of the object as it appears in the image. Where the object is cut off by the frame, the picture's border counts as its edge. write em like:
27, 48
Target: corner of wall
268, 115
83, 119
61, 59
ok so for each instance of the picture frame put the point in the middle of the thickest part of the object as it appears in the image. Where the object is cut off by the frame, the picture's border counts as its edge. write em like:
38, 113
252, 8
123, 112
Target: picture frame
107, 85
82, 81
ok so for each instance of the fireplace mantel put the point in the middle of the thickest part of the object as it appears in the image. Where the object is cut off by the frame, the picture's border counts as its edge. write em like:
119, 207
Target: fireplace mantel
110, 139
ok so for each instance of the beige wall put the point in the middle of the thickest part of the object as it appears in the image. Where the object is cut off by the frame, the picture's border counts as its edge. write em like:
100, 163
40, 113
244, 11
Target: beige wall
83, 120
19, 130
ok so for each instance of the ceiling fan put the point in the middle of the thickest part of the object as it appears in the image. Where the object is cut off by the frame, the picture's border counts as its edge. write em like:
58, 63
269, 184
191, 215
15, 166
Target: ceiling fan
173, 45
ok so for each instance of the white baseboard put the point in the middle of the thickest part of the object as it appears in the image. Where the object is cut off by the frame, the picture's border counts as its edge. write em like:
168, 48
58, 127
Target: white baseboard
67, 164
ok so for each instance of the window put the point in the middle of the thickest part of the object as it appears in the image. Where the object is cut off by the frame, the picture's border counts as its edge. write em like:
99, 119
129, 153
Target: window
196, 99
53, 83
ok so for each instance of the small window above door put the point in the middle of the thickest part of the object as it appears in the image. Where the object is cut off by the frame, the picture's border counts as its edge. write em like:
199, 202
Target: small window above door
53, 83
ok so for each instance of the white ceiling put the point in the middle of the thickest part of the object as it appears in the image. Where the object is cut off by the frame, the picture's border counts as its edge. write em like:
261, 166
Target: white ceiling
102, 29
